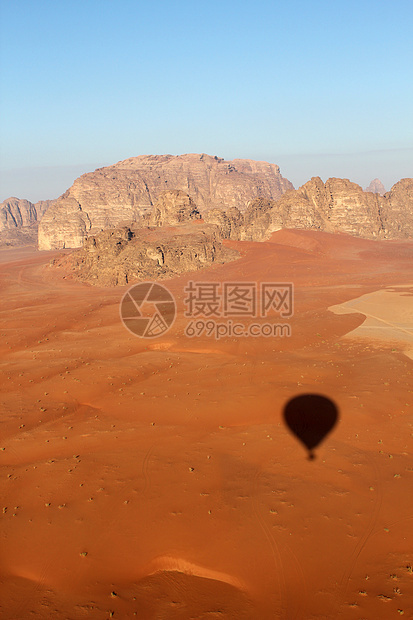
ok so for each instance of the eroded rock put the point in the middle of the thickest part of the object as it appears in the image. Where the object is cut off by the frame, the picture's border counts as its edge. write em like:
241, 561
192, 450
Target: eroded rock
128, 254
127, 191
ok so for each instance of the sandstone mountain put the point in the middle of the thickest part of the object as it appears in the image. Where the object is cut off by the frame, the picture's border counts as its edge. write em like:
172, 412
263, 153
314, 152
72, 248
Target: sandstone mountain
16, 213
376, 187
338, 205
172, 239
397, 210
167, 242
335, 206
126, 191
19, 221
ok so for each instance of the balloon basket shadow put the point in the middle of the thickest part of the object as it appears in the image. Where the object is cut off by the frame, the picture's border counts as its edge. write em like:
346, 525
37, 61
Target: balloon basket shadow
311, 456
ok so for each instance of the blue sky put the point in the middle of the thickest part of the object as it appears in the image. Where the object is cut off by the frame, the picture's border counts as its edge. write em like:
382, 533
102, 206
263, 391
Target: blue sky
320, 88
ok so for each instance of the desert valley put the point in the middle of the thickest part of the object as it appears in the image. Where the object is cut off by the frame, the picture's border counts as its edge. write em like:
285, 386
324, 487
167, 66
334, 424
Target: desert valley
155, 477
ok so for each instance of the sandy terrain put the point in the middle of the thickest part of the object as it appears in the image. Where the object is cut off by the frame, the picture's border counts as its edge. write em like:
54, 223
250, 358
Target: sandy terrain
389, 316
156, 478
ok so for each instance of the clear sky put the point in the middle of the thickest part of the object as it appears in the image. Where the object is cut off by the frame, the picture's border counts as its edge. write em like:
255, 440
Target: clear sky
319, 87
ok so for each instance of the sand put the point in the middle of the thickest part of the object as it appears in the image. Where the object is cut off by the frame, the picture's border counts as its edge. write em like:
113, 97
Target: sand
157, 479
388, 316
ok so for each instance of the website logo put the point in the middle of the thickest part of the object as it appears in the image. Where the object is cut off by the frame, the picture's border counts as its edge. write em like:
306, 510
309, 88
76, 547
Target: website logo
148, 310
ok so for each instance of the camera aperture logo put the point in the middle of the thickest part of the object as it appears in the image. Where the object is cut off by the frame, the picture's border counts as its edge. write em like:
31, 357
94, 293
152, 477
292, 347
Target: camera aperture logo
148, 310
214, 309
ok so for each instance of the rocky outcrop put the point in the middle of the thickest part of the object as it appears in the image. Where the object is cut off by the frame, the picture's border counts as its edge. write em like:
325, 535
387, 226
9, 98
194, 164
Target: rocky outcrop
64, 220
169, 241
376, 187
246, 200
335, 206
125, 255
19, 220
127, 191
397, 210
173, 207
257, 220
42, 206
172, 239
16, 213
229, 223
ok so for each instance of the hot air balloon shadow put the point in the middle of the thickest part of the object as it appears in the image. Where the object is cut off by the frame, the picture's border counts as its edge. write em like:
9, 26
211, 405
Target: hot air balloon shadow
310, 417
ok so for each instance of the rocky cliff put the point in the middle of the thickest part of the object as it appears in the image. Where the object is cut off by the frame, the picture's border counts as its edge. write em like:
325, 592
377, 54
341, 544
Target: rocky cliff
173, 207
335, 206
229, 223
16, 213
125, 192
397, 210
338, 205
125, 255
169, 241
19, 221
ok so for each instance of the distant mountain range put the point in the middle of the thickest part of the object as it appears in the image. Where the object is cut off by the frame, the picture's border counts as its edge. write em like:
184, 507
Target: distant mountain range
246, 199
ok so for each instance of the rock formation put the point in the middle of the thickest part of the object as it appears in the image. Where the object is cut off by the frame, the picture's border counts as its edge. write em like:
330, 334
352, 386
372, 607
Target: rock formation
257, 220
397, 210
229, 223
16, 213
335, 206
173, 207
172, 239
64, 221
122, 193
376, 187
166, 242
19, 221
125, 255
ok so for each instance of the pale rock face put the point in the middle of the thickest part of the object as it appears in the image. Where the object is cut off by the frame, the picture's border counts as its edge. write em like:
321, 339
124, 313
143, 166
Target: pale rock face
397, 210
16, 213
65, 220
351, 210
376, 187
257, 219
19, 220
42, 206
335, 206
127, 191
306, 208
168, 241
229, 223
173, 207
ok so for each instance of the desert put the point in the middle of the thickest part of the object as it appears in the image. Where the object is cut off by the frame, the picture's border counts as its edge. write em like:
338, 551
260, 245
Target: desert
157, 478
206, 310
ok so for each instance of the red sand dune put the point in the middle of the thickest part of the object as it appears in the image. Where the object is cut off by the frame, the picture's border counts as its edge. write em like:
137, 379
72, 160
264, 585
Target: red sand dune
157, 479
